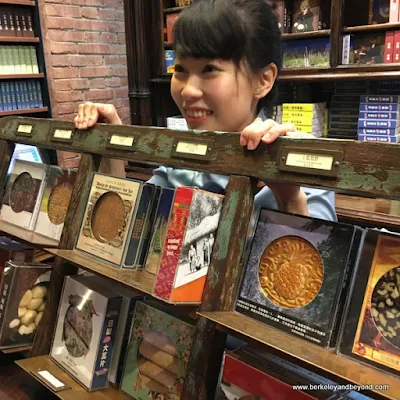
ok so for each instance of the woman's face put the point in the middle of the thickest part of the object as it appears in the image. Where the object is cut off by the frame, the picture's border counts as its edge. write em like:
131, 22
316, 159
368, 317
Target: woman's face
213, 95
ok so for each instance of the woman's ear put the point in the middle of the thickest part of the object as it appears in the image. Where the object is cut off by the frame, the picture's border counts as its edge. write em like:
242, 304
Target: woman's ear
265, 81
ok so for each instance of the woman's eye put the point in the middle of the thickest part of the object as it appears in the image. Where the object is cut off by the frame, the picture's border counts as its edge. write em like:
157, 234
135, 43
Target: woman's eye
179, 68
210, 68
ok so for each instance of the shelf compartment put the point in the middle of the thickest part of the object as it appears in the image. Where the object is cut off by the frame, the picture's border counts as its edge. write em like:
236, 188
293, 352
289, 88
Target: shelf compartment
18, 39
24, 111
309, 354
13, 350
139, 280
75, 391
371, 28
21, 76
27, 236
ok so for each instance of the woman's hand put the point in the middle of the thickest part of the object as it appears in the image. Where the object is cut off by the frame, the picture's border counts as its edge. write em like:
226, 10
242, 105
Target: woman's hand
288, 198
91, 113
263, 131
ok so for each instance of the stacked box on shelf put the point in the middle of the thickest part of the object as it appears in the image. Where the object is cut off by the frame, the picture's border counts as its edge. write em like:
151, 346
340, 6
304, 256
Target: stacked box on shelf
379, 119
344, 109
307, 117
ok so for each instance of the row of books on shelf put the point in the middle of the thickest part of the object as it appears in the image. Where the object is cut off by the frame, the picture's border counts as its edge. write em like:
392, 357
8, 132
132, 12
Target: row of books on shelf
18, 60
16, 21
20, 95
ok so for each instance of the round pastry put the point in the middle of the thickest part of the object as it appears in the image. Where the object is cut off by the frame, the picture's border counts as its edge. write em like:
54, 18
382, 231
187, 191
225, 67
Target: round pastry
20, 192
78, 326
290, 272
108, 217
57, 205
385, 306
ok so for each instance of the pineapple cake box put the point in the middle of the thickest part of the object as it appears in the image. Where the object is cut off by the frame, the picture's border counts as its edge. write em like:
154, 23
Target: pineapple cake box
158, 354
87, 322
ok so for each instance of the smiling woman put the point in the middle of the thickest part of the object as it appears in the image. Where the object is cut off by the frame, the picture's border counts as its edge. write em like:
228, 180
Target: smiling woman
228, 56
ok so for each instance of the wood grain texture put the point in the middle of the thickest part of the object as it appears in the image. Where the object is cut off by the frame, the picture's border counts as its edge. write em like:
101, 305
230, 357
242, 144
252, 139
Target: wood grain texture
296, 349
336, 24
220, 290
76, 391
138, 29
6, 153
140, 280
367, 169
61, 268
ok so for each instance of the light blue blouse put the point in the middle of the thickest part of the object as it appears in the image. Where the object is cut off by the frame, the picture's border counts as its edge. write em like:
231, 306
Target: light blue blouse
321, 203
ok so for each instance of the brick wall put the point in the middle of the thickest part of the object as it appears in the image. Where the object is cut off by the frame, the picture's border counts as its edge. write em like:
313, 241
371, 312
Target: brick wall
84, 44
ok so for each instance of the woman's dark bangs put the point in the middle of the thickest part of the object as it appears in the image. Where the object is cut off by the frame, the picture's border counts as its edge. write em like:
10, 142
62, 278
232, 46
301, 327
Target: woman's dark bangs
202, 33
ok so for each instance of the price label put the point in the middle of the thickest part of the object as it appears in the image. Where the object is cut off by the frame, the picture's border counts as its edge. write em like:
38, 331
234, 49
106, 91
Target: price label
50, 380
197, 149
25, 129
62, 134
119, 140
309, 160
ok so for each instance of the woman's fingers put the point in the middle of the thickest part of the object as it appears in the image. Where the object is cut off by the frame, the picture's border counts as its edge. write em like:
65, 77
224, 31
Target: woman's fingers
278, 130
253, 133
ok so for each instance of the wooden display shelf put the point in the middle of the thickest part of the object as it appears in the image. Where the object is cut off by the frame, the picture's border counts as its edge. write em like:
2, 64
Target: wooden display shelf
306, 35
368, 212
75, 391
18, 39
13, 350
21, 76
139, 280
312, 355
24, 111
27, 236
371, 28
19, 2
353, 71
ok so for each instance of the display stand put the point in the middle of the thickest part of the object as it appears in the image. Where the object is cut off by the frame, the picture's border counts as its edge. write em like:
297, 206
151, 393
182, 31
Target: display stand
362, 169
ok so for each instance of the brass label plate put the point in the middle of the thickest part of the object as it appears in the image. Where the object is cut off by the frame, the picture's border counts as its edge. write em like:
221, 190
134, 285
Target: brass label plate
316, 162
120, 141
25, 129
193, 149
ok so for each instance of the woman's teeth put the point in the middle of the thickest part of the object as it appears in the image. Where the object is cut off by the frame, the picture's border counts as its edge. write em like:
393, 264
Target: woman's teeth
197, 114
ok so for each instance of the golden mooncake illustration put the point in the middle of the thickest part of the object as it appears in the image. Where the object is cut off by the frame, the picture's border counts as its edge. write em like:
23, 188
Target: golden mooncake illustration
290, 272
57, 205
108, 217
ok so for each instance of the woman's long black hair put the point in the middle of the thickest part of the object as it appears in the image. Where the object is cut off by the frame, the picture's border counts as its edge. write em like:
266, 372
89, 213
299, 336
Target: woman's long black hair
237, 30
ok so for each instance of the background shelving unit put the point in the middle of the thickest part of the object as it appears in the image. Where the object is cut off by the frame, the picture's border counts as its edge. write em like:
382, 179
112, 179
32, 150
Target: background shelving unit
216, 316
36, 41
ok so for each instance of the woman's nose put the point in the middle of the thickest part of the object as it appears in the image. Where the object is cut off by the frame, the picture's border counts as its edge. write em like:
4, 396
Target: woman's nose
191, 88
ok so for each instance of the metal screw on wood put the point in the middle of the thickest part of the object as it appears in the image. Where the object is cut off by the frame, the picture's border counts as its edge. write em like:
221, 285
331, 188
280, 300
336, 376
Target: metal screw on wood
283, 158
337, 163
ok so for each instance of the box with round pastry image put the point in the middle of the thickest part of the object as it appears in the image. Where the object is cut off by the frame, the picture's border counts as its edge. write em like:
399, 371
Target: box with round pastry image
87, 321
158, 354
371, 333
23, 193
297, 274
55, 201
107, 221
23, 299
